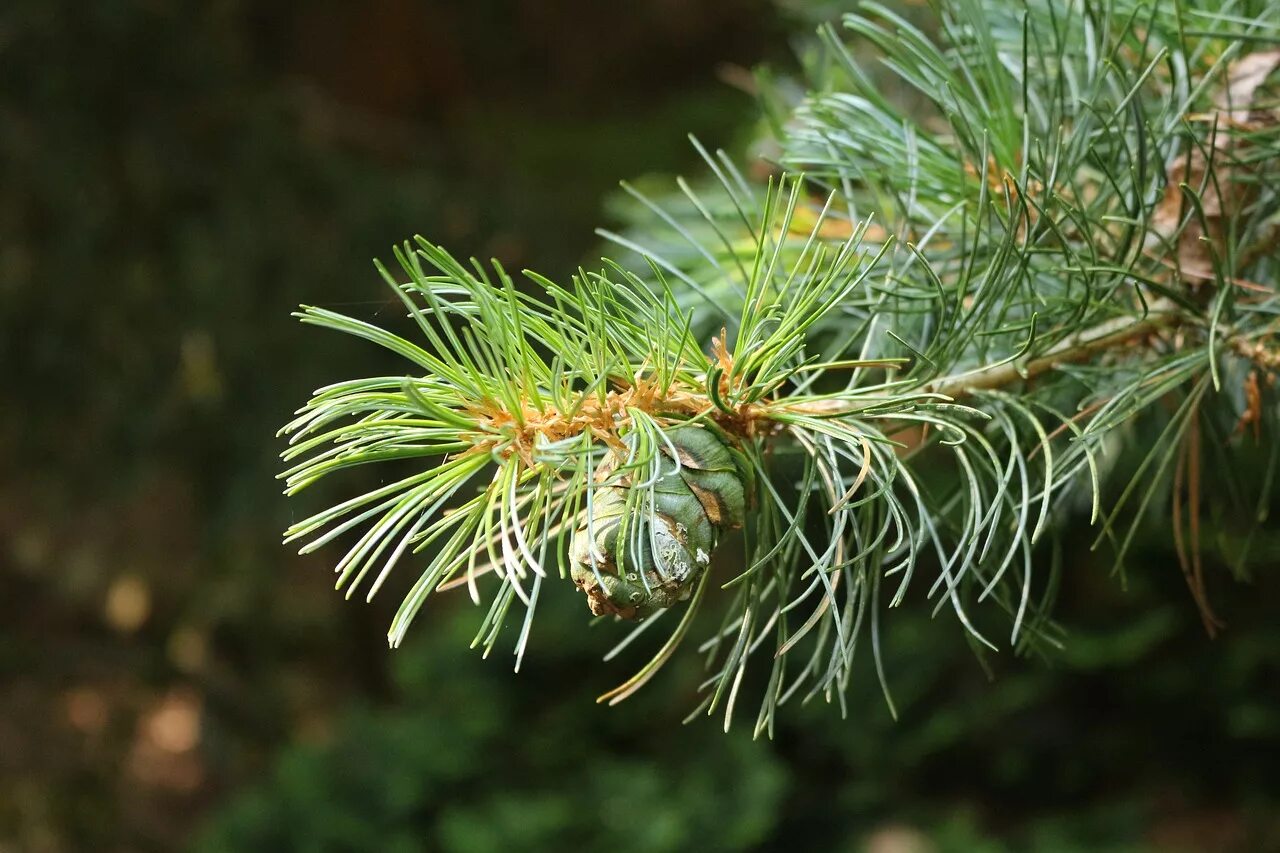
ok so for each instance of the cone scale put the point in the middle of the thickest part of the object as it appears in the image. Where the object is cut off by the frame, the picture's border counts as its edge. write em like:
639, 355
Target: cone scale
634, 564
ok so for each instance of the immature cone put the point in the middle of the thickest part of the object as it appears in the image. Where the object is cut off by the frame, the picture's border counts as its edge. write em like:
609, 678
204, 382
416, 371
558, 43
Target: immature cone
664, 552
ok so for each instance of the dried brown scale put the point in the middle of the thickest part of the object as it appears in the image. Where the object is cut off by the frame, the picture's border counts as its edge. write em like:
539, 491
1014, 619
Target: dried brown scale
601, 419
1254, 351
1252, 415
606, 419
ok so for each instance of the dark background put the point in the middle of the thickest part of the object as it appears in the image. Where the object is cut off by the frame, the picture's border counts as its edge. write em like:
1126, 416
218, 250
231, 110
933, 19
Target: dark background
174, 179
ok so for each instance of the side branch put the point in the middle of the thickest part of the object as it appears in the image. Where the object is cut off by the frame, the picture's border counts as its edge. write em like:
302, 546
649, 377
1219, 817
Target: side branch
1073, 350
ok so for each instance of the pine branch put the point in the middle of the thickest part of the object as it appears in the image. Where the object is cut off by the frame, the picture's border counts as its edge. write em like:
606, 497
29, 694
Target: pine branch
910, 359
1113, 334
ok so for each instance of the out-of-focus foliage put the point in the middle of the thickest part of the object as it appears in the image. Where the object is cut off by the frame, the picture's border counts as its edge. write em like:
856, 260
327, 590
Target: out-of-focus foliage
476, 760
1142, 738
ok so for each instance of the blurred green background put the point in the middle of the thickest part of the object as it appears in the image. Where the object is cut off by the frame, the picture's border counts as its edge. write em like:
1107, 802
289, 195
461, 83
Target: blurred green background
174, 179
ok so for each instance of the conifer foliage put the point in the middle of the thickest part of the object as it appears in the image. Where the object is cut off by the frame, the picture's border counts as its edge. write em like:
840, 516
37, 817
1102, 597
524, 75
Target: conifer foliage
1017, 264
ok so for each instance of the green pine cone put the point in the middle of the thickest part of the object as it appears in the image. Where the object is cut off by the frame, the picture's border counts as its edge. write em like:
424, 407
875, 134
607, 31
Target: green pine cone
668, 548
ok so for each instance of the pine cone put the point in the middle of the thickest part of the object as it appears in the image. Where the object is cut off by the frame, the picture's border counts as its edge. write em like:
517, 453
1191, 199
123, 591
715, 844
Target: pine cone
667, 543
